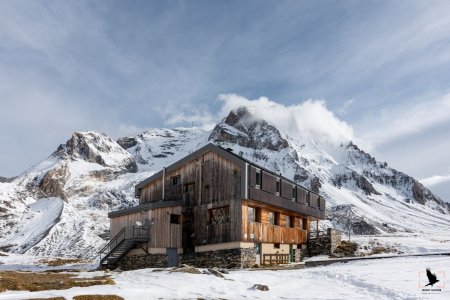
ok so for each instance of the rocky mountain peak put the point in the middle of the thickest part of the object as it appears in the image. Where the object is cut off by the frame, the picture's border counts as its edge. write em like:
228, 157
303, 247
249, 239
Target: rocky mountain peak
97, 148
242, 127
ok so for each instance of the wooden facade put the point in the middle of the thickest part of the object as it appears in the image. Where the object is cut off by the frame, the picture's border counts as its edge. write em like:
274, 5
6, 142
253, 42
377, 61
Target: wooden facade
220, 198
164, 234
286, 227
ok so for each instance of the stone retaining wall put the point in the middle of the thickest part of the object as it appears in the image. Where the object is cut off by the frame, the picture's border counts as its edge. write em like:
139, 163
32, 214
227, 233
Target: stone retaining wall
228, 258
324, 244
143, 261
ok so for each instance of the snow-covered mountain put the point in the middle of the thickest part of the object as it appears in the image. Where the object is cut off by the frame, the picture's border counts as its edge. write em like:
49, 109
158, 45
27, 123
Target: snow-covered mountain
59, 206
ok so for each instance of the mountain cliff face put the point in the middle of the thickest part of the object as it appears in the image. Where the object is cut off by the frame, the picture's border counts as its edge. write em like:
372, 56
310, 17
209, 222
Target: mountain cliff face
59, 206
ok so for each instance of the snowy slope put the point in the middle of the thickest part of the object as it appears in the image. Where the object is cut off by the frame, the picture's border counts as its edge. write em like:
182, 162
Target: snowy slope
36, 222
380, 198
92, 174
393, 278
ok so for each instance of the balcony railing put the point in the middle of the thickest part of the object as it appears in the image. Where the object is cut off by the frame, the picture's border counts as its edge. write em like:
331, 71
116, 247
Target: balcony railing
268, 233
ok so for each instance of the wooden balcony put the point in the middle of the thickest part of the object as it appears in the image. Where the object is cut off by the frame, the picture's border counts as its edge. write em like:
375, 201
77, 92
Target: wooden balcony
278, 201
267, 233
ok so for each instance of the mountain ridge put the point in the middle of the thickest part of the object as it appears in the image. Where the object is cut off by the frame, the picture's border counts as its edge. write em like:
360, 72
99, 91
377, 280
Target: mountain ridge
92, 174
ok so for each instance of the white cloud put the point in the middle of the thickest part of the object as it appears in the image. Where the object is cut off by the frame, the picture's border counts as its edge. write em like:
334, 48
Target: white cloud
307, 121
128, 130
435, 180
310, 120
402, 121
344, 109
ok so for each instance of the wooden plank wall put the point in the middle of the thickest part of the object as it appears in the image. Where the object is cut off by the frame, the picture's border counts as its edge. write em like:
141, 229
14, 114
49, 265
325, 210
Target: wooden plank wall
163, 233
220, 181
117, 223
291, 197
216, 182
220, 186
267, 233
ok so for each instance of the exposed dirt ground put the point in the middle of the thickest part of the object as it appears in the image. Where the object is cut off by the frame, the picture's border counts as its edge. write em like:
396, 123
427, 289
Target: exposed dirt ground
55, 262
41, 281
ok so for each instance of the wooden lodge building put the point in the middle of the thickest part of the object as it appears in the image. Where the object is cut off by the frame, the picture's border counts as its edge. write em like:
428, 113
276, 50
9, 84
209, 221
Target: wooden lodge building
213, 208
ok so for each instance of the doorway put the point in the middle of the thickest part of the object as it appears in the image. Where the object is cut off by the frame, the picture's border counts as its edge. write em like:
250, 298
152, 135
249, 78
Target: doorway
172, 257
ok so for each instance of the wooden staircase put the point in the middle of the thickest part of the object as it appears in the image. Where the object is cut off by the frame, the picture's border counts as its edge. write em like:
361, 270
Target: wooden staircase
123, 242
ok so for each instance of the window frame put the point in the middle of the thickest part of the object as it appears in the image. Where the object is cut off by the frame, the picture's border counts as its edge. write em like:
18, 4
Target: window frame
219, 215
258, 178
175, 180
256, 214
278, 187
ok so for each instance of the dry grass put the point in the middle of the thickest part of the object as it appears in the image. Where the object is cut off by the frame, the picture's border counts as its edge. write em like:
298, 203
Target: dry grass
97, 297
381, 249
55, 262
31, 281
345, 249
53, 298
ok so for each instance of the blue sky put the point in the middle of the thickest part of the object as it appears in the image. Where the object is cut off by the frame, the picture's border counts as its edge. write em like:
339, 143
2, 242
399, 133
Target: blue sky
118, 67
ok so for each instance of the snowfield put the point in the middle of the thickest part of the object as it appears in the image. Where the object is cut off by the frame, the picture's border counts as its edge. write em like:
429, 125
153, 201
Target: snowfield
390, 278
37, 222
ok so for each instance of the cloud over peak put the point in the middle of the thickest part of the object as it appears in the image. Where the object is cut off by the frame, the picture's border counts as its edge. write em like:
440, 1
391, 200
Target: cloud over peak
310, 120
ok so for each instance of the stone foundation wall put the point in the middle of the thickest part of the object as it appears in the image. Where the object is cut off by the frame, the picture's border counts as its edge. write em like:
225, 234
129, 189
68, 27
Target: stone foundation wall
325, 244
227, 258
298, 255
336, 239
134, 262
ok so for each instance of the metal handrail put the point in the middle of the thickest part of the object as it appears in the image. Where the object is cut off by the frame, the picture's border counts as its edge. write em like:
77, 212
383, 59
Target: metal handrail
126, 233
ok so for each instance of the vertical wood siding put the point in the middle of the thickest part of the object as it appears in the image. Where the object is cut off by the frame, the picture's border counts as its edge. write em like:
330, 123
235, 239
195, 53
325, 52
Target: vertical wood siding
207, 182
163, 234
266, 233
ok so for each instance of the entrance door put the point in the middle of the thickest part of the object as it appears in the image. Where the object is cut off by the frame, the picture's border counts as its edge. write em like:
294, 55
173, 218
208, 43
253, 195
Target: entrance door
172, 257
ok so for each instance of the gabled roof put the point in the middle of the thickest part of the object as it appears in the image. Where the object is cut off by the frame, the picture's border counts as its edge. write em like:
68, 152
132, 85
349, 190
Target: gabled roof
239, 160
207, 148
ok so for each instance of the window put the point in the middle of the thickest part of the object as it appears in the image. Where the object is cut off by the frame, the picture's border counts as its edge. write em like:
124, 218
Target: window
271, 218
175, 219
189, 187
274, 218
287, 221
321, 203
278, 187
176, 180
219, 215
294, 193
276, 245
253, 214
258, 178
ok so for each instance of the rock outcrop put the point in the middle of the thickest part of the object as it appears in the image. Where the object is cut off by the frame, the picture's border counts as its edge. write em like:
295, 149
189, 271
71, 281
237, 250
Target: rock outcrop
243, 128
